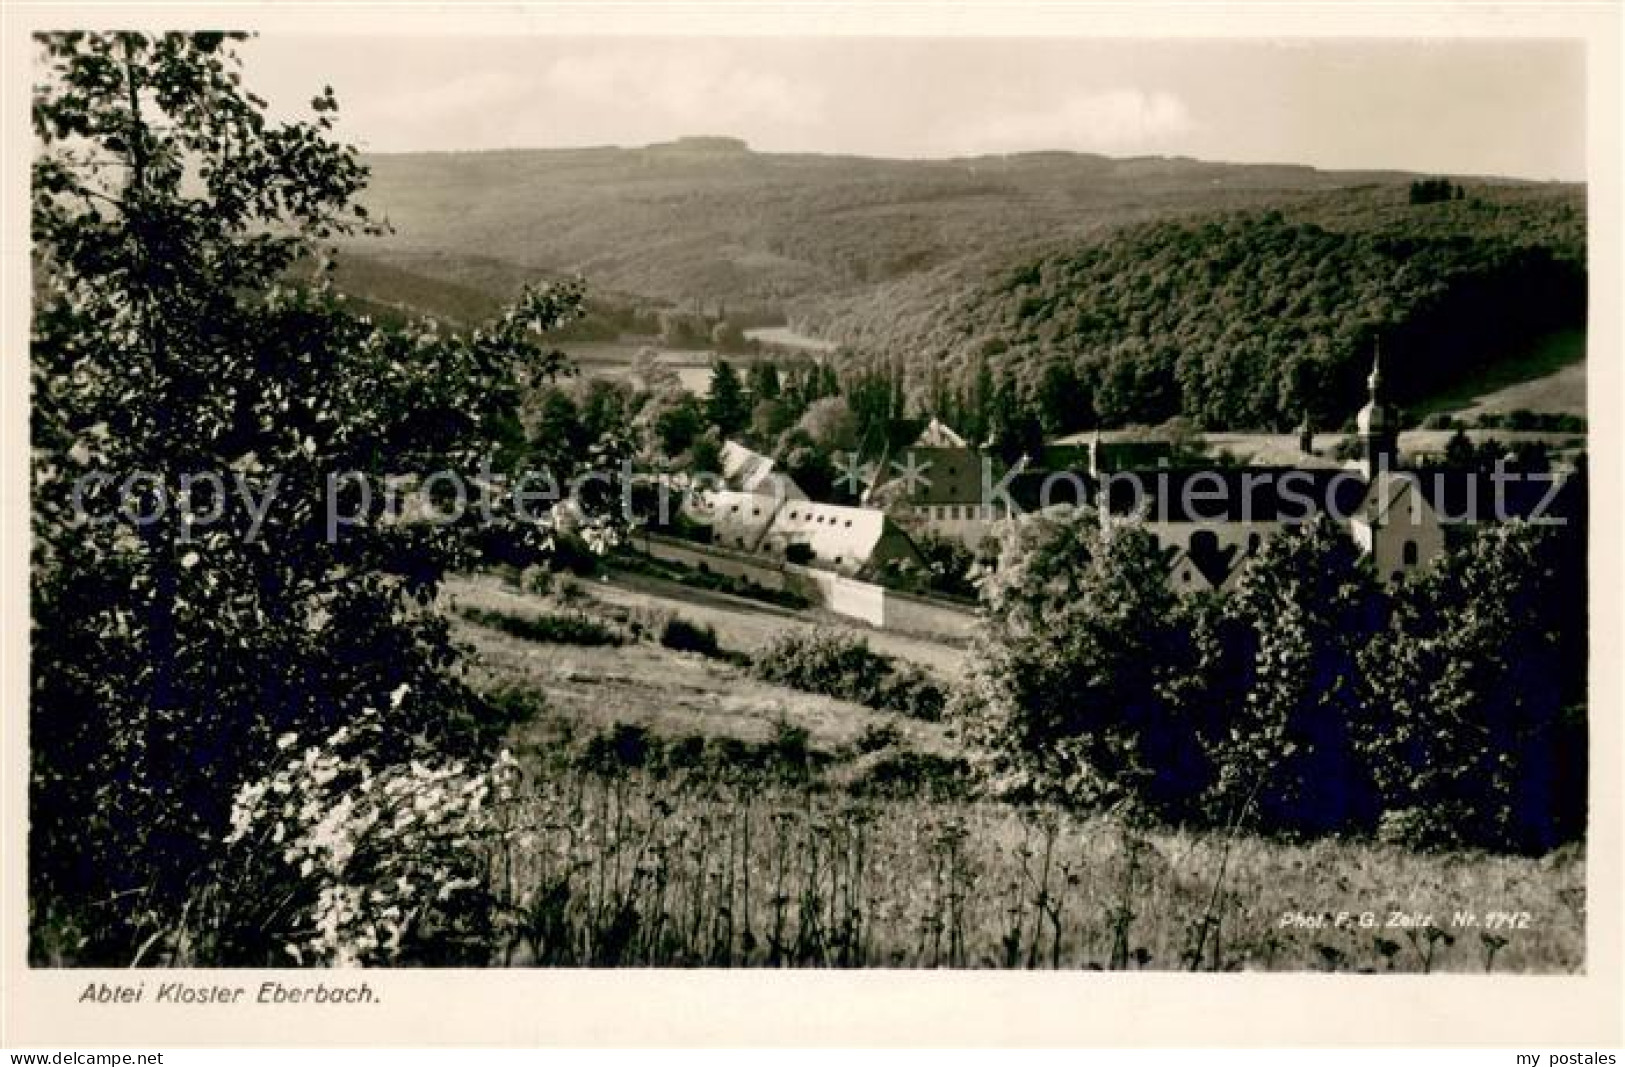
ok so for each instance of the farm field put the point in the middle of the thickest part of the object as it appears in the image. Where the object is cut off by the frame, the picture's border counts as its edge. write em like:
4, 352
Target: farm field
843, 849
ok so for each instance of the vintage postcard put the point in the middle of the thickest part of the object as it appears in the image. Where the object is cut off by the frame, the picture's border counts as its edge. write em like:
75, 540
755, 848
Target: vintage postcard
913, 524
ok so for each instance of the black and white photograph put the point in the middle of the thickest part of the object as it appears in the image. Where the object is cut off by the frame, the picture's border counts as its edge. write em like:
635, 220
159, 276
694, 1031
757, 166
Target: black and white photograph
904, 503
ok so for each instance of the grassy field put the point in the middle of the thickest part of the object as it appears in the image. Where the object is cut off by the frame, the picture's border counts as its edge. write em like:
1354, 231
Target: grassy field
1551, 377
665, 871
729, 822
672, 694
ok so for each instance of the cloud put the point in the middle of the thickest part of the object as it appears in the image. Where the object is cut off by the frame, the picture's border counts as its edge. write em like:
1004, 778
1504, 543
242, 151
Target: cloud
1110, 121
700, 90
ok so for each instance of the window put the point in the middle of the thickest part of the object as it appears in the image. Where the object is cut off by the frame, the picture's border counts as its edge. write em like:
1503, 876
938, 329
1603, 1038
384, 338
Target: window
1411, 554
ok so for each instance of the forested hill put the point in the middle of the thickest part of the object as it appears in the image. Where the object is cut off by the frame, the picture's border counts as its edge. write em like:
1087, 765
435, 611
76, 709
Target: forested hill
1241, 319
709, 220
1106, 291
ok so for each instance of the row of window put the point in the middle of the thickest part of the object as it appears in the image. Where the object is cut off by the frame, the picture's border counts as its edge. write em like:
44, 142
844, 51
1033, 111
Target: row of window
815, 517
960, 511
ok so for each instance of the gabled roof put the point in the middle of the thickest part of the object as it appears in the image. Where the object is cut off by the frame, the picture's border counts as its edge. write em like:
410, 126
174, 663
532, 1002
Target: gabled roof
1214, 563
1185, 576
1394, 497
1458, 496
742, 465
836, 533
1232, 494
736, 519
947, 475
749, 471
938, 434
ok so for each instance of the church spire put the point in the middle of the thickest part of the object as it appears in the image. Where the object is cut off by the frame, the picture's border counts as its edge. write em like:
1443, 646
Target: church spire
1377, 425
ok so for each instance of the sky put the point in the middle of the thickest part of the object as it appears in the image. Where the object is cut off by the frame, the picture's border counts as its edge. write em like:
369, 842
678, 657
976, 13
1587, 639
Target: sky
1513, 108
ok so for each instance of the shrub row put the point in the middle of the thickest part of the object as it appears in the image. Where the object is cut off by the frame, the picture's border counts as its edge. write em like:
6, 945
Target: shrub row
557, 629
842, 665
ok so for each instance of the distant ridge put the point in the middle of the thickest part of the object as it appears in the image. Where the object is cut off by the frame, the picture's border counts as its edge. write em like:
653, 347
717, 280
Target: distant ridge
708, 218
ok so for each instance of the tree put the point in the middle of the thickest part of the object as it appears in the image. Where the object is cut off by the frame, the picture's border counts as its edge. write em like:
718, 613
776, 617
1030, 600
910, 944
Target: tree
705, 454
976, 414
1477, 731
653, 376
868, 393
830, 425
727, 408
675, 421
1013, 430
1074, 675
1310, 605
1062, 407
553, 427
769, 419
805, 463
176, 639
764, 380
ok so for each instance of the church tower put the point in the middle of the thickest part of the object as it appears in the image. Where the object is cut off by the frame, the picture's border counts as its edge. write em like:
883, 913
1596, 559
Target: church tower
1378, 425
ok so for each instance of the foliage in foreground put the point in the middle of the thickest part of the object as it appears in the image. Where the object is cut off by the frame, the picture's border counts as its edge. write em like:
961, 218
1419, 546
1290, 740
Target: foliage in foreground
1445, 712
176, 638
626, 869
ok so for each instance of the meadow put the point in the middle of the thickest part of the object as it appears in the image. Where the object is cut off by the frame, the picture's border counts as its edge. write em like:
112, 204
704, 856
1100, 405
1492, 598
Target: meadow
676, 811
679, 868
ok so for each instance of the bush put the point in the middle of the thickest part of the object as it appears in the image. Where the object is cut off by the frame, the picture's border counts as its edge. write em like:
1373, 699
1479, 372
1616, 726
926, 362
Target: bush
537, 580
680, 635
336, 863
910, 691
625, 746
1440, 420
550, 629
900, 773
878, 736
841, 665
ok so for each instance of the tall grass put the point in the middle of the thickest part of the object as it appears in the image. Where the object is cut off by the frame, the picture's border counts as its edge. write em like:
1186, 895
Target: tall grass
628, 870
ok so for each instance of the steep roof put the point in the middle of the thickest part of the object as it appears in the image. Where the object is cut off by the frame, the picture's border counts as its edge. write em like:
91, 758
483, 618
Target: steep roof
749, 471
1232, 494
737, 519
947, 475
1458, 496
938, 434
835, 533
